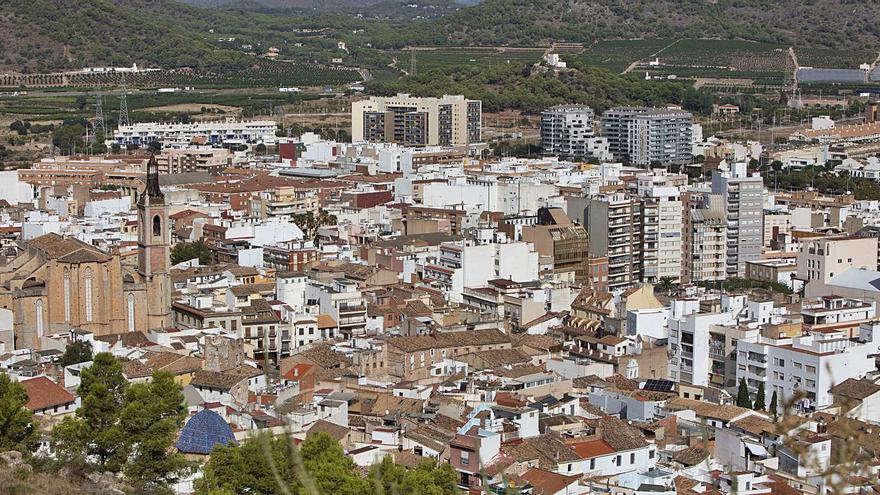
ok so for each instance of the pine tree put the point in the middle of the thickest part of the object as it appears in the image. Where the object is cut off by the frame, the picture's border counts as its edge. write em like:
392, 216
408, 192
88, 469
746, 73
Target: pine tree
773, 405
742, 395
759, 400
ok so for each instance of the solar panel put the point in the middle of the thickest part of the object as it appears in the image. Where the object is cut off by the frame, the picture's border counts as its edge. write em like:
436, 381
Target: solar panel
654, 385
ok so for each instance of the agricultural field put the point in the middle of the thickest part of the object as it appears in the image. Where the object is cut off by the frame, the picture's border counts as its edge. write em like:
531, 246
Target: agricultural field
617, 55
834, 59
444, 58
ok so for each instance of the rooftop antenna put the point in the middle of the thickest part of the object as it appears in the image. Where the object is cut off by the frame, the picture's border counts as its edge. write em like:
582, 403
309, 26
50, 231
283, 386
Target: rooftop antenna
100, 122
123, 106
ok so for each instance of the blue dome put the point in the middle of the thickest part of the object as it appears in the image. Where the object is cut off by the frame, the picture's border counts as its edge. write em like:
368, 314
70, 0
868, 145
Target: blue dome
203, 432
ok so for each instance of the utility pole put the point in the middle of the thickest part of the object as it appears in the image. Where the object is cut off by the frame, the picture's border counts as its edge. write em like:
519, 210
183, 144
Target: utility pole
100, 122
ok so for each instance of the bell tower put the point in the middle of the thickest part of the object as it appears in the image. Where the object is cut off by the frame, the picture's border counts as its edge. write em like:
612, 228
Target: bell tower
154, 249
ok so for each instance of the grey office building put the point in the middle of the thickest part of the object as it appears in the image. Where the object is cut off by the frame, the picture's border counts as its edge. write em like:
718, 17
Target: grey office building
645, 136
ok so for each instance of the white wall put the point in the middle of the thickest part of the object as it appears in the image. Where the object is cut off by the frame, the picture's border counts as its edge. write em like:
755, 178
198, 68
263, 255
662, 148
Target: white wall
13, 190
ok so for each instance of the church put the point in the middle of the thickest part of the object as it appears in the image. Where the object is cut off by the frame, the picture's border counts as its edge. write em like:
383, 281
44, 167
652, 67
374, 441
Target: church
59, 283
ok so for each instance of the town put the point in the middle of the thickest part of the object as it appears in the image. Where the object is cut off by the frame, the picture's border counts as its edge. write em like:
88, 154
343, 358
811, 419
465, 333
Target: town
640, 310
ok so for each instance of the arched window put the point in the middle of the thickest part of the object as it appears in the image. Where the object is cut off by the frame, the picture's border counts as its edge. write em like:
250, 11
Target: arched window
38, 306
66, 295
157, 225
89, 294
130, 304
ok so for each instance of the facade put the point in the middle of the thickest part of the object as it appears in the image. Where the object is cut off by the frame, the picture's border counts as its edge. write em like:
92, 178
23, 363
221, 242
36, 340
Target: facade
742, 197
647, 136
661, 228
820, 259
248, 131
450, 120
614, 225
567, 130
804, 369
705, 246
180, 161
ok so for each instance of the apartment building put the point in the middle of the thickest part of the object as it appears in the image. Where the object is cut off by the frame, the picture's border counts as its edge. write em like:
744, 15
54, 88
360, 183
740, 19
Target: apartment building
820, 259
174, 133
451, 120
802, 370
179, 161
566, 244
705, 246
661, 226
648, 136
743, 198
567, 130
614, 223
342, 300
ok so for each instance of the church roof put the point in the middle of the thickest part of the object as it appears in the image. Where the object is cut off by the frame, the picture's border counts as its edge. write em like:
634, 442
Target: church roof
203, 432
55, 246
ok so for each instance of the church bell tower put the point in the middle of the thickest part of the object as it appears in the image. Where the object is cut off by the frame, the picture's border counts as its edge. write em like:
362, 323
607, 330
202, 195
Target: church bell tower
154, 249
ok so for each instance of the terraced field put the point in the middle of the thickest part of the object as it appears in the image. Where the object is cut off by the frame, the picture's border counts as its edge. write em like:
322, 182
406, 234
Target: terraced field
617, 55
443, 58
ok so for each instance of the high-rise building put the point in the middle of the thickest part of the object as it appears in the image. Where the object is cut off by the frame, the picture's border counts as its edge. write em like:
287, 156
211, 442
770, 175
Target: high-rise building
567, 130
743, 198
661, 225
646, 136
704, 246
451, 120
614, 224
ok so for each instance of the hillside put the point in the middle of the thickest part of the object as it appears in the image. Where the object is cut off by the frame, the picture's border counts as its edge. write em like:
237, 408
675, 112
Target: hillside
795, 22
44, 35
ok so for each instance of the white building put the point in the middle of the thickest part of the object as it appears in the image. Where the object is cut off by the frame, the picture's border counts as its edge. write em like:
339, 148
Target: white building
248, 131
803, 369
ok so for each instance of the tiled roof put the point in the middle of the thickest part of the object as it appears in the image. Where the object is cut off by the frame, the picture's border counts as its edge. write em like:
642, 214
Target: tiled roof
549, 450
691, 456
336, 431
449, 339
43, 393
547, 482
855, 389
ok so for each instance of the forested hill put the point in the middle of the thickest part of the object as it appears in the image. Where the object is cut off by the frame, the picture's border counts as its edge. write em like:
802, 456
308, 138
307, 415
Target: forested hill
826, 23
43, 35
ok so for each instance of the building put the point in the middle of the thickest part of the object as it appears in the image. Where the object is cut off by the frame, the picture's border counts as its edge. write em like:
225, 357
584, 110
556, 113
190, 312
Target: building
742, 197
180, 161
58, 283
567, 130
614, 224
648, 136
704, 253
661, 227
821, 259
804, 369
248, 131
565, 243
450, 120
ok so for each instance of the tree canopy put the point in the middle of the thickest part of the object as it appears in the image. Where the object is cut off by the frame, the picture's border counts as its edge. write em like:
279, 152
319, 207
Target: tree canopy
17, 428
274, 465
76, 352
186, 251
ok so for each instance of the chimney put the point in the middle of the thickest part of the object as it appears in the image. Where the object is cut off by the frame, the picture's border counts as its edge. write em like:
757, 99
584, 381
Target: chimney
821, 426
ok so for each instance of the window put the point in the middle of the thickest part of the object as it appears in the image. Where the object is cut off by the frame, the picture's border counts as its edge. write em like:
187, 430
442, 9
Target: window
89, 294
465, 458
38, 307
130, 311
157, 225
632, 458
66, 295
797, 365
811, 369
618, 461
592, 464
650, 454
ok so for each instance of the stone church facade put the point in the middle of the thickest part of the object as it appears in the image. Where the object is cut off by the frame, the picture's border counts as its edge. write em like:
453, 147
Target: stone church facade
59, 283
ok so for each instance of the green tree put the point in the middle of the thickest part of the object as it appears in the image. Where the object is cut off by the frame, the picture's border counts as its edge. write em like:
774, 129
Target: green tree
151, 418
742, 395
774, 405
273, 465
759, 404
95, 430
426, 479
17, 428
77, 352
186, 251
666, 285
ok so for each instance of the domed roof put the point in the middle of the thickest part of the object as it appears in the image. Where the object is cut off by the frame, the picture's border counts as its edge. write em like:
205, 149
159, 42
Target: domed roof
203, 432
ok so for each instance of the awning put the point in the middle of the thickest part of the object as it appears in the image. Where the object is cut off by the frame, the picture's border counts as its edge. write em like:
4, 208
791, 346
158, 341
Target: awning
757, 450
